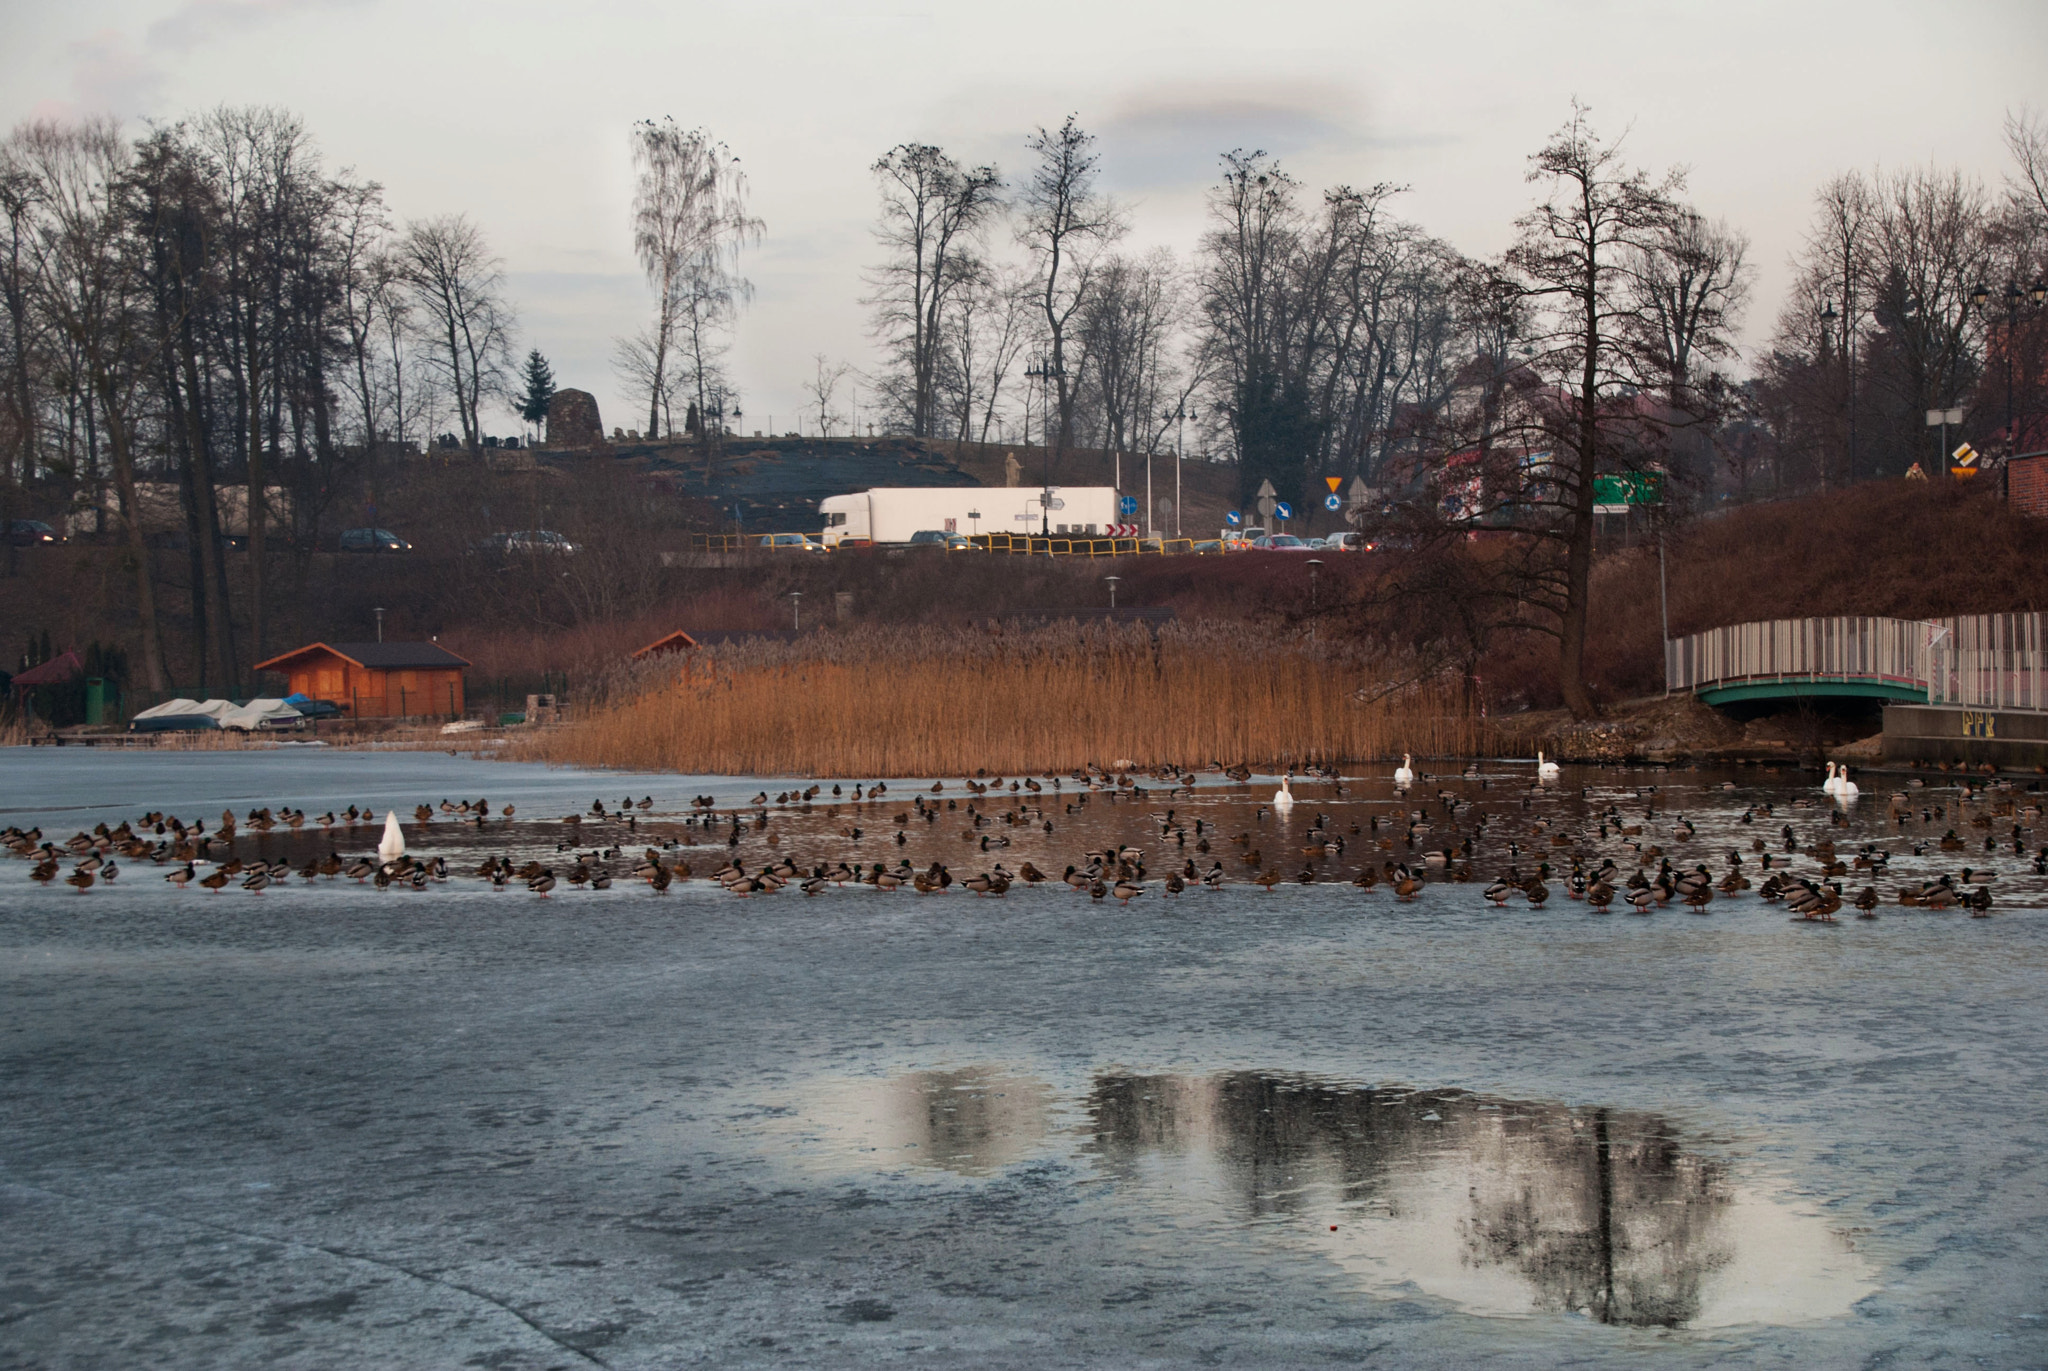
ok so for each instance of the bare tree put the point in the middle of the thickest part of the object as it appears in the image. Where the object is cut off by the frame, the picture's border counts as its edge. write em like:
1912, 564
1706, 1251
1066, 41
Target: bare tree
932, 209
1689, 292
457, 286
1066, 224
85, 288
690, 223
362, 271
1571, 256
820, 387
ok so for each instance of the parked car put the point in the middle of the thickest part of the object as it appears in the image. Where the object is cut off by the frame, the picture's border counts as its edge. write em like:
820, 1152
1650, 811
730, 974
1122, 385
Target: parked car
1349, 542
317, 709
929, 537
960, 542
1207, 547
372, 540
793, 542
527, 542
30, 532
1281, 542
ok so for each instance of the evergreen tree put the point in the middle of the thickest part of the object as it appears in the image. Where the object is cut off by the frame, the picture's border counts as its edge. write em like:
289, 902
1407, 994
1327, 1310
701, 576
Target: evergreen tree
540, 388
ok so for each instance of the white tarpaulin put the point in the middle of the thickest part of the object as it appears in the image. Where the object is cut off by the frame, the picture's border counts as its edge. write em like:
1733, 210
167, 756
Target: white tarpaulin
258, 713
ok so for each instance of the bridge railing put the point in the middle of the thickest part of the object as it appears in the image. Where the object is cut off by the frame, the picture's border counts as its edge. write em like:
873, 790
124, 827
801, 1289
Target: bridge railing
1986, 661
1991, 661
1864, 648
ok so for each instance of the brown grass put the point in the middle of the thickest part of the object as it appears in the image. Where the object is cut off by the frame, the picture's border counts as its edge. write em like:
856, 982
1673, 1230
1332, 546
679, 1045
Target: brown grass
949, 702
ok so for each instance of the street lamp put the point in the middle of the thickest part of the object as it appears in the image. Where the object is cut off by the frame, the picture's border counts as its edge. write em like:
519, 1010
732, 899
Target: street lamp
796, 610
1315, 564
1112, 589
1044, 371
1178, 416
1981, 298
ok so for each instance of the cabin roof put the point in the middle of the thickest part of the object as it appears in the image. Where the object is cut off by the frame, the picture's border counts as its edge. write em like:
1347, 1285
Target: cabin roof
373, 656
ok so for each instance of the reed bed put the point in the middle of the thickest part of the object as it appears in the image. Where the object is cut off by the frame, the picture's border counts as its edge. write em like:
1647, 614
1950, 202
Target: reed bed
954, 701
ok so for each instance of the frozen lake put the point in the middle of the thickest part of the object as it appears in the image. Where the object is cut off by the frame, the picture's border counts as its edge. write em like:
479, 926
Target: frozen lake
328, 1125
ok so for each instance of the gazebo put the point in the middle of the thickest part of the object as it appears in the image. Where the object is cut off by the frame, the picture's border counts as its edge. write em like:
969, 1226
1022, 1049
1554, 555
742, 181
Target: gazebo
376, 680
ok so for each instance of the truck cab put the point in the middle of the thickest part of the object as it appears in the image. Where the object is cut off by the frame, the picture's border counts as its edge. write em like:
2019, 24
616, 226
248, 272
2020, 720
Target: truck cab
846, 519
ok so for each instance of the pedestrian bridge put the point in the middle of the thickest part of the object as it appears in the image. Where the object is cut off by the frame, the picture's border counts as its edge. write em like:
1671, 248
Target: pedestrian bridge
1985, 661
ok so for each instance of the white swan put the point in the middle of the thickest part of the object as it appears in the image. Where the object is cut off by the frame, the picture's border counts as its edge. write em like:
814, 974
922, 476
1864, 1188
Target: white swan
1283, 798
1545, 770
1404, 774
393, 845
1833, 784
1846, 789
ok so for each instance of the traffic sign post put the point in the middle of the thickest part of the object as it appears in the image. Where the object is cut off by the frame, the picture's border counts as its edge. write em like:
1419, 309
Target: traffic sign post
1234, 519
1127, 506
1283, 510
1333, 502
1965, 463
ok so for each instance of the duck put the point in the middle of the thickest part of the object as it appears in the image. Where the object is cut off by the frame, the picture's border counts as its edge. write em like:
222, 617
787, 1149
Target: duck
1545, 770
1404, 774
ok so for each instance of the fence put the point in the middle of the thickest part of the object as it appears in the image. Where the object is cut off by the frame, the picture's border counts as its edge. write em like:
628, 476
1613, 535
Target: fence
1990, 661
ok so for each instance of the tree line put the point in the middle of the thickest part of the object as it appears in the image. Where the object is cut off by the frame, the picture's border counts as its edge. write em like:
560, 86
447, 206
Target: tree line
207, 306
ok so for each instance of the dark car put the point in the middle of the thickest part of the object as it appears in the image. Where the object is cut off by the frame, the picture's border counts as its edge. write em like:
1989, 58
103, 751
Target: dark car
929, 537
372, 540
31, 532
317, 709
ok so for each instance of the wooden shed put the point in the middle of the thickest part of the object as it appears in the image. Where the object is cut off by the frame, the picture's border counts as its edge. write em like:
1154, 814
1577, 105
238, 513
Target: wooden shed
376, 680
677, 641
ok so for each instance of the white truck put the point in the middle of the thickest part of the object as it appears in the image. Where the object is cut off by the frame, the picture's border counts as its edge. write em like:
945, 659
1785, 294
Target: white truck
892, 514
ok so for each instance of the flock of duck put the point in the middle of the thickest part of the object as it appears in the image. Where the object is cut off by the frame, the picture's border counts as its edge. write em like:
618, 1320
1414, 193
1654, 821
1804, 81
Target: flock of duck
1404, 850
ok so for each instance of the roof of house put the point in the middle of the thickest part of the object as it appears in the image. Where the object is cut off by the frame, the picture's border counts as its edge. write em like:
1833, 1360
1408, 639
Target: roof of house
375, 656
668, 642
63, 667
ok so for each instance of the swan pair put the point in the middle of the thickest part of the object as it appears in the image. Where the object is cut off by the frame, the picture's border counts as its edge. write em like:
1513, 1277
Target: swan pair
1839, 785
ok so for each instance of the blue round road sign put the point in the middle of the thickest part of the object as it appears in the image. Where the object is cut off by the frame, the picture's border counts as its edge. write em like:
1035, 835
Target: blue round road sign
1234, 519
1283, 510
1127, 506
1332, 503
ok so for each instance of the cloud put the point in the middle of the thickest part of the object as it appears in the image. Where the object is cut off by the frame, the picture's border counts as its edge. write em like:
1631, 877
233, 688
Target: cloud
108, 76
199, 21
112, 74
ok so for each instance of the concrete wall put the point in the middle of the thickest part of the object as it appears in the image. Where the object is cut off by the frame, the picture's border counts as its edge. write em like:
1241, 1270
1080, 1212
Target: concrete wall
2012, 739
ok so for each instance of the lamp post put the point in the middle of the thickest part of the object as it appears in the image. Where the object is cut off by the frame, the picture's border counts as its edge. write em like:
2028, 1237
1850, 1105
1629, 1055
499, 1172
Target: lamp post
1044, 371
1981, 298
1112, 589
379, 612
796, 611
1178, 416
1315, 564
1827, 324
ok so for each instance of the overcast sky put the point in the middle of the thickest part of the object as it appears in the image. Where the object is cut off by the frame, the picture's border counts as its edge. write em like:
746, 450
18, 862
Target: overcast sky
518, 115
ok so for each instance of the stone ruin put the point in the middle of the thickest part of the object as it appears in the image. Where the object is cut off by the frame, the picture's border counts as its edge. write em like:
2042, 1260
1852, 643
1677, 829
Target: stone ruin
573, 420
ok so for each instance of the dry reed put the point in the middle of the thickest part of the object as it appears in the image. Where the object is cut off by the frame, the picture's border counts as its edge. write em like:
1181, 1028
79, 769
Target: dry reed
951, 701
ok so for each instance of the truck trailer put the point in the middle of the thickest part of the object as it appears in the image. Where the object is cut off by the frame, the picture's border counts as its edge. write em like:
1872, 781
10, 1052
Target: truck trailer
892, 514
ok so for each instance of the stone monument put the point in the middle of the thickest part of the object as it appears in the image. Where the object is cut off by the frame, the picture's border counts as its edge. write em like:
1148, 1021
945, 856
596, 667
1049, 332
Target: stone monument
573, 421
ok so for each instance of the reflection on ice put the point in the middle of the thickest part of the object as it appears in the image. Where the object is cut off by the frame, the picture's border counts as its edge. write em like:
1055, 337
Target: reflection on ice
1503, 1207
974, 1121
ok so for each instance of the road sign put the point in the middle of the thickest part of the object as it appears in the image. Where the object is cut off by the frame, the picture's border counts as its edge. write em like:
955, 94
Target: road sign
1938, 418
1123, 530
1284, 510
1127, 506
1629, 488
1266, 506
1966, 462
1333, 482
1234, 519
1333, 502
1266, 491
1360, 492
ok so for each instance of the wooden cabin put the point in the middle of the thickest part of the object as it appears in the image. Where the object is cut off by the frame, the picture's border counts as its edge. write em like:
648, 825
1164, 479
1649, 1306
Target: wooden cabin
677, 641
376, 680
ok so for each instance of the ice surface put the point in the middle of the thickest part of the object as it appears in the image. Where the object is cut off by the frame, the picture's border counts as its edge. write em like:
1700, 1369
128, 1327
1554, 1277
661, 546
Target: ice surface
331, 1126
